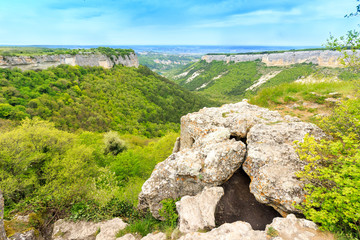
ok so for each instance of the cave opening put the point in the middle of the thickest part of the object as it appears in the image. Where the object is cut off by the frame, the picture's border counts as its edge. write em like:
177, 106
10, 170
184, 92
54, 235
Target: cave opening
239, 204
238, 138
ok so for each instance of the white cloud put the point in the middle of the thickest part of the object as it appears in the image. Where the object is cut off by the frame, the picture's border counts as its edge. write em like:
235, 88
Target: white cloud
253, 18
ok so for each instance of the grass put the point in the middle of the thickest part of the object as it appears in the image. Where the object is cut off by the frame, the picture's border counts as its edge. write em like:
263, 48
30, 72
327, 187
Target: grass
313, 92
144, 226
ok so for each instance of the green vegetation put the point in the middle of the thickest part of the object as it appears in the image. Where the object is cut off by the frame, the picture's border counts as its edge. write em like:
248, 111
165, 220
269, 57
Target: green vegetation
31, 51
123, 99
221, 80
45, 169
165, 63
333, 172
168, 212
144, 224
293, 92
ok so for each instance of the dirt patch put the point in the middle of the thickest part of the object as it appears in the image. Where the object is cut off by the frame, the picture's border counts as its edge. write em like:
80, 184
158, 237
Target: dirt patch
238, 204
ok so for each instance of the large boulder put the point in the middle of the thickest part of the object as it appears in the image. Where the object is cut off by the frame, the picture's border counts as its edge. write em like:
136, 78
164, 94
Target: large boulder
210, 151
198, 212
210, 162
65, 230
212, 147
272, 163
238, 118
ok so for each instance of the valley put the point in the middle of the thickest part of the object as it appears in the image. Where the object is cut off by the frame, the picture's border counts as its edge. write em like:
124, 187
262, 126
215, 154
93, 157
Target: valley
84, 143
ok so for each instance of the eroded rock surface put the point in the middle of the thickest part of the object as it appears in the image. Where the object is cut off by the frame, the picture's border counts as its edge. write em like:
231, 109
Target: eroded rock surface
64, 230
198, 212
212, 148
209, 163
326, 58
272, 163
210, 152
228, 231
288, 228
85, 59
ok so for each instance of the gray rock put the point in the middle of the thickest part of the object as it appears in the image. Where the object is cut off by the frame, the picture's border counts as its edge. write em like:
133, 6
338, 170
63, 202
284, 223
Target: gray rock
212, 149
238, 118
272, 163
128, 236
64, 230
228, 231
198, 212
290, 228
28, 235
155, 236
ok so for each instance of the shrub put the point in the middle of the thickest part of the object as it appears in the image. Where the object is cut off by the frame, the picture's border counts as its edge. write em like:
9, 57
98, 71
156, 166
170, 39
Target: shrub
332, 172
168, 211
113, 143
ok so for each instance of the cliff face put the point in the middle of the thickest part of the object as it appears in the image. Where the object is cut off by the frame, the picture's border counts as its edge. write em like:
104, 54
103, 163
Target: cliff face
324, 58
45, 61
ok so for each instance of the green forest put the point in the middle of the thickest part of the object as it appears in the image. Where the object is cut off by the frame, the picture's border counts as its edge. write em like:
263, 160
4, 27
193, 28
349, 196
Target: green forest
79, 142
127, 100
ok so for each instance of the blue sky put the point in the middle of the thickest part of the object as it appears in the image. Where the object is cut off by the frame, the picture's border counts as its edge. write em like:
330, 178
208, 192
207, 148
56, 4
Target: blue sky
173, 22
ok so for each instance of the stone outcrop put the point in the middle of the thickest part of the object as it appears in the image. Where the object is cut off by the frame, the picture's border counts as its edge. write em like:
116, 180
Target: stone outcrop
198, 212
210, 162
28, 235
64, 230
212, 148
326, 58
288, 228
272, 163
85, 59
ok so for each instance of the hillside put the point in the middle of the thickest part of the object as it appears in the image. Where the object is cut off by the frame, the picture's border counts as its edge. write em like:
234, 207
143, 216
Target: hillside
96, 99
230, 82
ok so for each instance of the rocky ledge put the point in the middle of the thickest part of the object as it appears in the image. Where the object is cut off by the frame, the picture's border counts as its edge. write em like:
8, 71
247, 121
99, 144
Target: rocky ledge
326, 58
85, 59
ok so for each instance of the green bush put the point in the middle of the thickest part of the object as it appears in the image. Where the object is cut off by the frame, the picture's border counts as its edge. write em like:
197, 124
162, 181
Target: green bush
332, 172
43, 167
113, 143
168, 212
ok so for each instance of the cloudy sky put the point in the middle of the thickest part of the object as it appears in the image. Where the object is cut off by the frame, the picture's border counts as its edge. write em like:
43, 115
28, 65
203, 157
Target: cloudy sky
174, 22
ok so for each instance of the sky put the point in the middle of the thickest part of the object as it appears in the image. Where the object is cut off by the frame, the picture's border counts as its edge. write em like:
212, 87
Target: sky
174, 22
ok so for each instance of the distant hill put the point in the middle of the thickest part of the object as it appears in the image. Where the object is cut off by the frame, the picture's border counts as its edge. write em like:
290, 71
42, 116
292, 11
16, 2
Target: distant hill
230, 81
134, 100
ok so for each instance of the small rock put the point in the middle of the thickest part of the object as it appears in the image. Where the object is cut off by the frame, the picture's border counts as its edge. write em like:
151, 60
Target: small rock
198, 212
228, 231
155, 236
290, 228
128, 236
65, 230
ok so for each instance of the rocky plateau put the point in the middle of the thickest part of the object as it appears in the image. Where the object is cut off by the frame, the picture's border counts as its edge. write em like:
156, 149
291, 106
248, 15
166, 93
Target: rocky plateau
85, 59
326, 58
